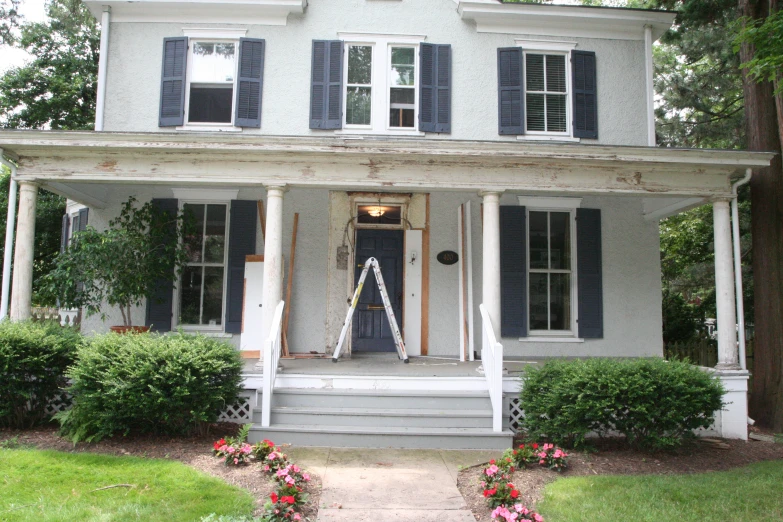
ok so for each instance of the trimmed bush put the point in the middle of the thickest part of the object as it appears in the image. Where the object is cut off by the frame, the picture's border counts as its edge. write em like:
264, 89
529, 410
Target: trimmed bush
149, 383
654, 404
33, 359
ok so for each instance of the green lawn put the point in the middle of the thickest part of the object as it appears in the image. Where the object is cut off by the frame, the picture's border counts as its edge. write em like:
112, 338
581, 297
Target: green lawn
51, 485
753, 493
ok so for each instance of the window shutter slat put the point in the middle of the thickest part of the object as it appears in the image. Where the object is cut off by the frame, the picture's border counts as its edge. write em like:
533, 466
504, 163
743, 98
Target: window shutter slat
250, 82
513, 272
172, 82
585, 103
84, 215
159, 306
435, 87
511, 109
326, 88
64, 232
241, 243
589, 273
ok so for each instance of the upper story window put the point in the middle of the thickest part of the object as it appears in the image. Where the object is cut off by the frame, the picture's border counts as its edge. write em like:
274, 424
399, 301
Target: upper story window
546, 93
212, 81
402, 87
358, 94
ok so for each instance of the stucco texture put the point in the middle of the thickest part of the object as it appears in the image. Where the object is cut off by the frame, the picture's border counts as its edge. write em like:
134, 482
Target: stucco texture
134, 69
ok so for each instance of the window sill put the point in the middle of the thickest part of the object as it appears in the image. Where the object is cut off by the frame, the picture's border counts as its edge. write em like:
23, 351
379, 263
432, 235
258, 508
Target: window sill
534, 137
551, 340
205, 333
360, 133
209, 128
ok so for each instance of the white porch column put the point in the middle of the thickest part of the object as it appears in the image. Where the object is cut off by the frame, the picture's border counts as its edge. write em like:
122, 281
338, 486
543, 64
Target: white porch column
491, 257
728, 357
273, 258
22, 283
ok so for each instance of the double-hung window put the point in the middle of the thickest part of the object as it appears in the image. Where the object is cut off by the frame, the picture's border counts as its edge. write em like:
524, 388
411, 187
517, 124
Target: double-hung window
202, 286
213, 71
546, 93
551, 274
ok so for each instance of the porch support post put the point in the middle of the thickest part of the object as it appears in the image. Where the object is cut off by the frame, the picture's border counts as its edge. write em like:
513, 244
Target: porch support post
491, 257
728, 356
273, 259
22, 282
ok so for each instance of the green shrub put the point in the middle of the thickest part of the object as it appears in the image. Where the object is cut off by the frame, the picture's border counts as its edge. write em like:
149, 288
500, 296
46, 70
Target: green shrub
654, 404
149, 383
33, 359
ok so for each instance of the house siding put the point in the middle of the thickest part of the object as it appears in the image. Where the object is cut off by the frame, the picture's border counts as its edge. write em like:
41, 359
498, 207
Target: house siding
133, 89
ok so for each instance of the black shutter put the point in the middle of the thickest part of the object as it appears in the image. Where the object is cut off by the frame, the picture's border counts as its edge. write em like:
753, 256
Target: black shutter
590, 280
513, 272
159, 306
585, 98
64, 233
435, 88
326, 88
172, 82
83, 216
241, 242
250, 82
511, 91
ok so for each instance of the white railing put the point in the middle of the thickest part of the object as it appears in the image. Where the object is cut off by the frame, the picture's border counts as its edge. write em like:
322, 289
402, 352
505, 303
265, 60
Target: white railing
492, 361
271, 357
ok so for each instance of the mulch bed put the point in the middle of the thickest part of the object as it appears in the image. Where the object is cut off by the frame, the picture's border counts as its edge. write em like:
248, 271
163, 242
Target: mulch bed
193, 451
611, 458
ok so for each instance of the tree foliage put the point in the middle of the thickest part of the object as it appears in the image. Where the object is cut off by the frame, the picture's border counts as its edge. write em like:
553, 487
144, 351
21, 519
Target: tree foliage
766, 36
9, 18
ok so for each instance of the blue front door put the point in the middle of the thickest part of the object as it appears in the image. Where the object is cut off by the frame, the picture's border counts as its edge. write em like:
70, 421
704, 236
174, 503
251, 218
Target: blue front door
371, 331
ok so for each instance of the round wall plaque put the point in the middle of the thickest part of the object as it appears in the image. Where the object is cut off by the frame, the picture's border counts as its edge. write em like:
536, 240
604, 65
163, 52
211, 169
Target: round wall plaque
447, 257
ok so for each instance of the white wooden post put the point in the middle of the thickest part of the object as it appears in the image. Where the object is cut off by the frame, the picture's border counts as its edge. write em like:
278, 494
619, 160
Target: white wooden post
22, 284
491, 257
273, 258
728, 356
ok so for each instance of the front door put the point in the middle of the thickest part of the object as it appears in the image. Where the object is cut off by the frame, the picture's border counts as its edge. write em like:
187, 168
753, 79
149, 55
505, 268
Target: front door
371, 331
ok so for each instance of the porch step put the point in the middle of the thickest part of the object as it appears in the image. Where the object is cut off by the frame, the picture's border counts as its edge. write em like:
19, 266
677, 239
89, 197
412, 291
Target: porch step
388, 437
358, 398
373, 417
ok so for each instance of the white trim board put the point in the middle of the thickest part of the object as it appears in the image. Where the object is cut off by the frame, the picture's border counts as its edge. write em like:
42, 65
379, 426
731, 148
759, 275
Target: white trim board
412, 284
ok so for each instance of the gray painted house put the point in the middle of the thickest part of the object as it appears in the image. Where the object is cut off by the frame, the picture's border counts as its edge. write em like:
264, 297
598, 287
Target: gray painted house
486, 153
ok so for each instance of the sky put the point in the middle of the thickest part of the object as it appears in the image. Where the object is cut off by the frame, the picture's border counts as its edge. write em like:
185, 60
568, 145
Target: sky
33, 11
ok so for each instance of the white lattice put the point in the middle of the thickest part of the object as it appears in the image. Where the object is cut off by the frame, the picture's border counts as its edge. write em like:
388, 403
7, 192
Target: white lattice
241, 411
60, 402
515, 414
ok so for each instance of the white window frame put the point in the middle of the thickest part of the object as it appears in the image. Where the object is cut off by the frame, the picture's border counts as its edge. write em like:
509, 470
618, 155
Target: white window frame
212, 36
416, 86
563, 205
381, 82
177, 284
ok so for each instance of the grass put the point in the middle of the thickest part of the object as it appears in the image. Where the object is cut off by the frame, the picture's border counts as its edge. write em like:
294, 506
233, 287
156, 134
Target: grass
749, 493
51, 485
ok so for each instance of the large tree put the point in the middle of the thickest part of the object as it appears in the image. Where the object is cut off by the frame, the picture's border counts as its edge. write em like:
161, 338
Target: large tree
9, 17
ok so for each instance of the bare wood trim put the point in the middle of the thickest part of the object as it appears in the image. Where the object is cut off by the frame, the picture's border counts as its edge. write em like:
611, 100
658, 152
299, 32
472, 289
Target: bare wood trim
289, 284
262, 219
425, 280
254, 258
250, 354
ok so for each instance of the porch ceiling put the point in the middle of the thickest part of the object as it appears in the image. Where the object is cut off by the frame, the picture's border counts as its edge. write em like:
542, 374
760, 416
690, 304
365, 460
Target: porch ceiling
71, 159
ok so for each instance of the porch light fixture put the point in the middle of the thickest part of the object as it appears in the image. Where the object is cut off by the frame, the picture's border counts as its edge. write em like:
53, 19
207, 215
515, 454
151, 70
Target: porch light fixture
376, 211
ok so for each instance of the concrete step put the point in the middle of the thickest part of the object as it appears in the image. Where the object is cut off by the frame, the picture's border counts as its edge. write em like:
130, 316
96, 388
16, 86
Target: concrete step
380, 399
386, 437
371, 417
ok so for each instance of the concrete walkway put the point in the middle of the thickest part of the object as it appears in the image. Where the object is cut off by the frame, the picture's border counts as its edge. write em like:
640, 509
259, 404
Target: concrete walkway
381, 485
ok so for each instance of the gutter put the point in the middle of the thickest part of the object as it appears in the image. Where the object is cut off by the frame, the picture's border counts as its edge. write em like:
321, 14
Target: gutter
9, 238
735, 236
103, 59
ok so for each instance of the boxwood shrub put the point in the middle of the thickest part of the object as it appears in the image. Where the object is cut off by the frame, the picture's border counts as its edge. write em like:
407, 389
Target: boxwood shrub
654, 404
33, 359
149, 383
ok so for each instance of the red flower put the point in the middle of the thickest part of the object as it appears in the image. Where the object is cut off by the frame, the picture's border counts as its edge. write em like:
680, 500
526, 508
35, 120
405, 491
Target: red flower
492, 461
273, 496
493, 491
535, 446
521, 446
486, 492
514, 493
288, 500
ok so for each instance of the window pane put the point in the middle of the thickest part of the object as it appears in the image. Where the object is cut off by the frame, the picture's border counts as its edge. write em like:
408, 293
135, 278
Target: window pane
401, 118
560, 240
210, 104
538, 302
555, 112
193, 242
403, 96
213, 295
360, 65
212, 63
535, 112
215, 239
190, 296
560, 305
555, 73
534, 72
538, 240
358, 106
402, 66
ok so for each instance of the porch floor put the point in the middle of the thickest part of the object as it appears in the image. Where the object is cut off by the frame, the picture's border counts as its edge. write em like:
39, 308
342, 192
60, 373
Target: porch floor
388, 365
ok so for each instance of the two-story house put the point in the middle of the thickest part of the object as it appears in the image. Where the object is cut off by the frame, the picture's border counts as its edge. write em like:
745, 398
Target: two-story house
498, 160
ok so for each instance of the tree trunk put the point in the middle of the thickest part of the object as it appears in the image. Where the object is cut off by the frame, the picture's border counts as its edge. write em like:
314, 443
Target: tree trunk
763, 133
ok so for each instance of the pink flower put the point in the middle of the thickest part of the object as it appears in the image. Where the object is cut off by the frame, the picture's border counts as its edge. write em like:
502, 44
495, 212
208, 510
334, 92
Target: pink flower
491, 470
297, 516
306, 477
236, 461
537, 517
289, 480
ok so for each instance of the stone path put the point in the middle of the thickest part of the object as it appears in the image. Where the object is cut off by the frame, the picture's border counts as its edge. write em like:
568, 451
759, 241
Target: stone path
382, 485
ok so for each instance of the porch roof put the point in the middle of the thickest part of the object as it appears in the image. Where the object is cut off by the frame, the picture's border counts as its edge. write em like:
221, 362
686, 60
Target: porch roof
70, 158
